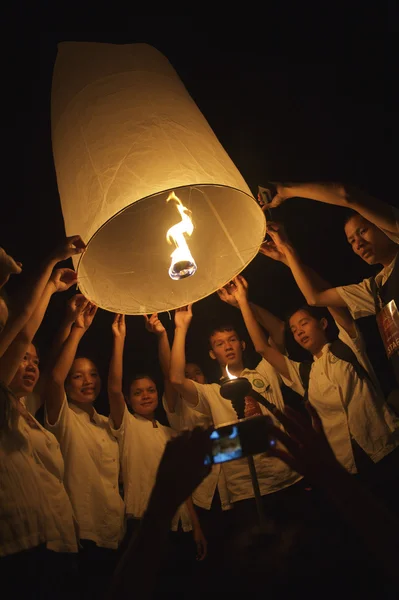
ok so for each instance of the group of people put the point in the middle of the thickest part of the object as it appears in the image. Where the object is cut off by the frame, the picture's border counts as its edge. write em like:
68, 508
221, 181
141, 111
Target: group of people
86, 500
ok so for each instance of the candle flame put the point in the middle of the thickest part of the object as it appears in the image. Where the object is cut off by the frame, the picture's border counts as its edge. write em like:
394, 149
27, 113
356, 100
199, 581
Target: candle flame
183, 264
230, 375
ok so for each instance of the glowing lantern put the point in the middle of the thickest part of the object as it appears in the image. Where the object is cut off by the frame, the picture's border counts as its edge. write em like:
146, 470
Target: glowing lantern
126, 134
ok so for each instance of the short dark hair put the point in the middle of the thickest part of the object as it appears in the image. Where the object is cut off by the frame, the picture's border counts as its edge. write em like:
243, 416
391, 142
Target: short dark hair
218, 328
138, 376
316, 312
349, 214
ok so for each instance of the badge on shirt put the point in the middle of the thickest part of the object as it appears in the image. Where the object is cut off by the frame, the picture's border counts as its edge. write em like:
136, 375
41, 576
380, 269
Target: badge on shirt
258, 383
388, 324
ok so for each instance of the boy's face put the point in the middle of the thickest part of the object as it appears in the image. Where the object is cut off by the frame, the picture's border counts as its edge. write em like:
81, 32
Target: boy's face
227, 348
367, 240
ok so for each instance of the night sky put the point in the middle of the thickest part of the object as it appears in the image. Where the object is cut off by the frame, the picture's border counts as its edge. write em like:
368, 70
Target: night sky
284, 104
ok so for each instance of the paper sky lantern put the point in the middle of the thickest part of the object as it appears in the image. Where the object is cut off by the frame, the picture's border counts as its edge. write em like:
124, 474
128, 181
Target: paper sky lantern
126, 134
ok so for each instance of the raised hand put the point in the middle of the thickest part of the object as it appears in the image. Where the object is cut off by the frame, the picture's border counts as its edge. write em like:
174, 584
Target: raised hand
270, 250
239, 289
279, 236
75, 306
8, 266
63, 279
71, 245
119, 326
225, 294
183, 316
86, 316
153, 324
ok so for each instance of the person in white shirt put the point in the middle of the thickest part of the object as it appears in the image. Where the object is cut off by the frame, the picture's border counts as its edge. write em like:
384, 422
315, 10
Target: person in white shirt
373, 234
90, 453
142, 440
354, 414
211, 497
37, 533
285, 498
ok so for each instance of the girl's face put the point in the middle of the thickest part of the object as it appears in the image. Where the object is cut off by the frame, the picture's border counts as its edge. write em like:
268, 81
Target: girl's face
27, 375
143, 397
83, 383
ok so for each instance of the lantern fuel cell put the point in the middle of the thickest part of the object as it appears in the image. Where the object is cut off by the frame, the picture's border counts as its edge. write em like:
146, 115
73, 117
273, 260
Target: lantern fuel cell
126, 134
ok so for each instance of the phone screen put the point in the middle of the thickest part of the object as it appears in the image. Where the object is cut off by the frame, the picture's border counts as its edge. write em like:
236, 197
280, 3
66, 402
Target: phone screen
226, 444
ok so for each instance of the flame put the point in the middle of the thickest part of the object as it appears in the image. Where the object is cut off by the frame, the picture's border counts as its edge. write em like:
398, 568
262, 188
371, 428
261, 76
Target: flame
230, 375
183, 264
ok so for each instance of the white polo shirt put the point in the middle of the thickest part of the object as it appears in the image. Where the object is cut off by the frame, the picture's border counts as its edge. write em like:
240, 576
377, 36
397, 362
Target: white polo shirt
273, 474
184, 417
141, 448
91, 458
358, 296
349, 407
34, 506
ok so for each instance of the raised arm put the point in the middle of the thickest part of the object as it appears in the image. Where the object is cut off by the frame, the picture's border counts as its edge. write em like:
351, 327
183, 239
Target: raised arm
54, 391
184, 386
8, 266
259, 340
30, 298
372, 209
115, 374
154, 325
273, 325
60, 281
312, 290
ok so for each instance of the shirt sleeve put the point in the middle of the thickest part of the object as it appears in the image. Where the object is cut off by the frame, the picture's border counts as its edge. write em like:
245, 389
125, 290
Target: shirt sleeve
60, 427
175, 418
204, 391
359, 298
120, 433
265, 369
294, 381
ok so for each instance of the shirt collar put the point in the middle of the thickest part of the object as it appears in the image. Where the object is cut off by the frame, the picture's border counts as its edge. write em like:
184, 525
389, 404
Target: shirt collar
79, 411
324, 351
383, 275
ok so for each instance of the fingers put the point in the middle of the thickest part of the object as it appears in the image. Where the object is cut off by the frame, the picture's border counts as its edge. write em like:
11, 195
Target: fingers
76, 242
201, 549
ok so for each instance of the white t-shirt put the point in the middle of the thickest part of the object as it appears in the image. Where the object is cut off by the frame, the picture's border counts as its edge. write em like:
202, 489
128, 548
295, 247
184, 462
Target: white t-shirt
273, 474
347, 405
34, 506
141, 448
185, 417
358, 296
91, 458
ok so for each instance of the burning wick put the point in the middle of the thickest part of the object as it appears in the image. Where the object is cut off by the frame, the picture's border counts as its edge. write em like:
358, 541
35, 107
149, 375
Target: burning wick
182, 265
230, 375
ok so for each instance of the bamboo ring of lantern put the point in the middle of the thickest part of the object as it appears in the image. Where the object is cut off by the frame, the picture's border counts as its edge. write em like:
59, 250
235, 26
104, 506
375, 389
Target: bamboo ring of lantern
126, 134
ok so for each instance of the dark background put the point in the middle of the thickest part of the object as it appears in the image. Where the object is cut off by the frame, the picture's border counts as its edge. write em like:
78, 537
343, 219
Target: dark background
290, 97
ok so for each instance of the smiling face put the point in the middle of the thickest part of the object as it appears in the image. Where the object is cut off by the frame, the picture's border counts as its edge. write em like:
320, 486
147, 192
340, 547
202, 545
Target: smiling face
27, 375
309, 332
143, 397
83, 383
227, 349
368, 241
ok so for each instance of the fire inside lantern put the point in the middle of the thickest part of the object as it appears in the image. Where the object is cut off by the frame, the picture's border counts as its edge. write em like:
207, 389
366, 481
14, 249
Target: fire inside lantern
183, 264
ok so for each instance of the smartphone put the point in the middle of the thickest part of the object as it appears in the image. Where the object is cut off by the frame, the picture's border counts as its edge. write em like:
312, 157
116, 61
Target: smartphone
240, 438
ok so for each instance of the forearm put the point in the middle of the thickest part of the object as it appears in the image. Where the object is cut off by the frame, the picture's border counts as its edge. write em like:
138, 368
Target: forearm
67, 355
273, 325
115, 373
14, 354
164, 354
178, 356
255, 331
192, 512
372, 209
28, 303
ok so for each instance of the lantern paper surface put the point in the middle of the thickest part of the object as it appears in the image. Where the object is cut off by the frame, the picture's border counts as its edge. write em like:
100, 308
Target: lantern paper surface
125, 133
